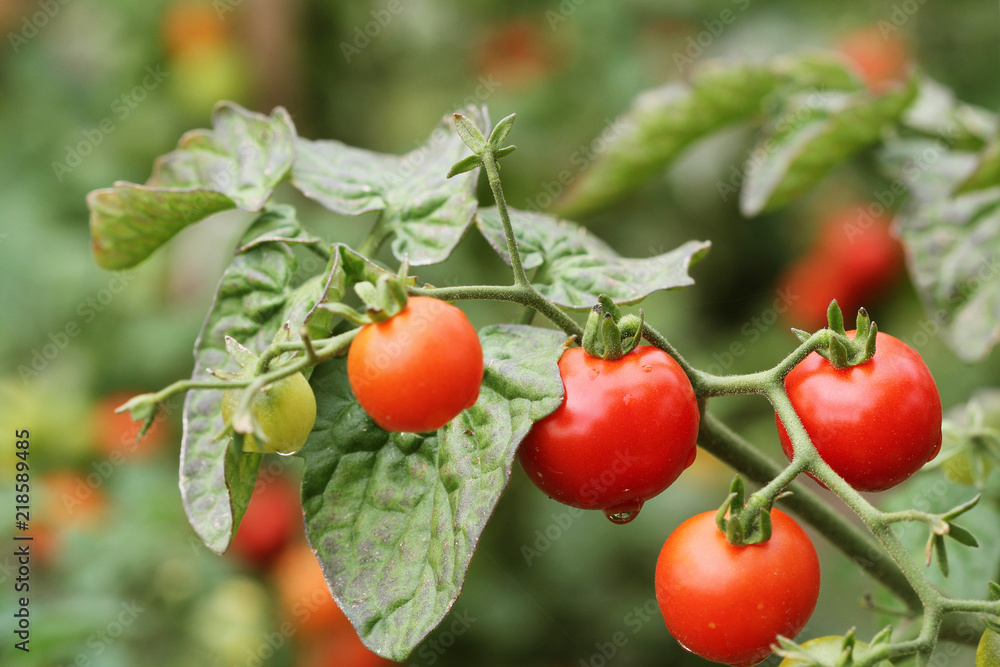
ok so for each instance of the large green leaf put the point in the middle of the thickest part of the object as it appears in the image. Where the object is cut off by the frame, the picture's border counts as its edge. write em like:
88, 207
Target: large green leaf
575, 267
664, 121
426, 212
236, 164
394, 518
952, 244
255, 297
817, 132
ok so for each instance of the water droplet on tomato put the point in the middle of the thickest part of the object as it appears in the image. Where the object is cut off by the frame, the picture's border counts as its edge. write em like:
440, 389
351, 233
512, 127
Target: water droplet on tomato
623, 513
646, 368
628, 398
594, 373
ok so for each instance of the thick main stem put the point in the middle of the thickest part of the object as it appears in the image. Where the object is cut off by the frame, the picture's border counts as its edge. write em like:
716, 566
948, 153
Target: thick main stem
717, 439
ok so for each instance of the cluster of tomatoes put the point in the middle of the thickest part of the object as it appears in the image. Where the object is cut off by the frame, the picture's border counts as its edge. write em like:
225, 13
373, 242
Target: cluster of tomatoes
627, 428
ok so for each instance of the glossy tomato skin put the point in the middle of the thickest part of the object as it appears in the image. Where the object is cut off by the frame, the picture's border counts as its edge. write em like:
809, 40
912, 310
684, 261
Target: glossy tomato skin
729, 603
625, 431
876, 423
417, 370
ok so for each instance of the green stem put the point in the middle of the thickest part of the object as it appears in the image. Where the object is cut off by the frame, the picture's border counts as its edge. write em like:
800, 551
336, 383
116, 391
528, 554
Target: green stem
376, 237
726, 445
525, 295
493, 175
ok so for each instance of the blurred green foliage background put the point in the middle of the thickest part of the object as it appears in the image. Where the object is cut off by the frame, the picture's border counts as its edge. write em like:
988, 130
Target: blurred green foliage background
91, 93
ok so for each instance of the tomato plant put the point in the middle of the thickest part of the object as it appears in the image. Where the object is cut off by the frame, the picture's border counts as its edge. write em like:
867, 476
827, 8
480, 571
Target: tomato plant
875, 423
410, 420
623, 434
418, 369
730, 603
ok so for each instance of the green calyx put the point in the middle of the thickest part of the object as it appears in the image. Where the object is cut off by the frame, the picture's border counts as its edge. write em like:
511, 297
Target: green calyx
740, 525
845, 651
609, 334
844, 352
482, 148
383, 300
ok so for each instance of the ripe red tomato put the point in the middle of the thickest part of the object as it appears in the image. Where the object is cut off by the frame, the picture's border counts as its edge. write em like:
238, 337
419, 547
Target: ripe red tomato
625, 431
306, 601
116, 433
272, 519
729, 603
876, 423
855, 260
417, 370
880, 59
342, 650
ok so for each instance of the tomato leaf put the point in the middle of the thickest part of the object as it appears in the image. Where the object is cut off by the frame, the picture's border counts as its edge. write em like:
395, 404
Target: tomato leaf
236, 164
578, 266
986, 173
425, 211
255, 297
952, 244
664, 121
394, 518
817, 132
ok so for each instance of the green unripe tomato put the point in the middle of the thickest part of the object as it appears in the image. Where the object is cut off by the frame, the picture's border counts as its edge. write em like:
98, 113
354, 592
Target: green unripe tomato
828, 649
285, 411
988, 653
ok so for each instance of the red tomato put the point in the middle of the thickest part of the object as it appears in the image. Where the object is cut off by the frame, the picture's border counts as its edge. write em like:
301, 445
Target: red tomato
343, 650
876, 423
625, 431
192, 25
855, 260
117, 433
272, 519
515, 53
417, 370
881, 59
305, 599
729, 603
